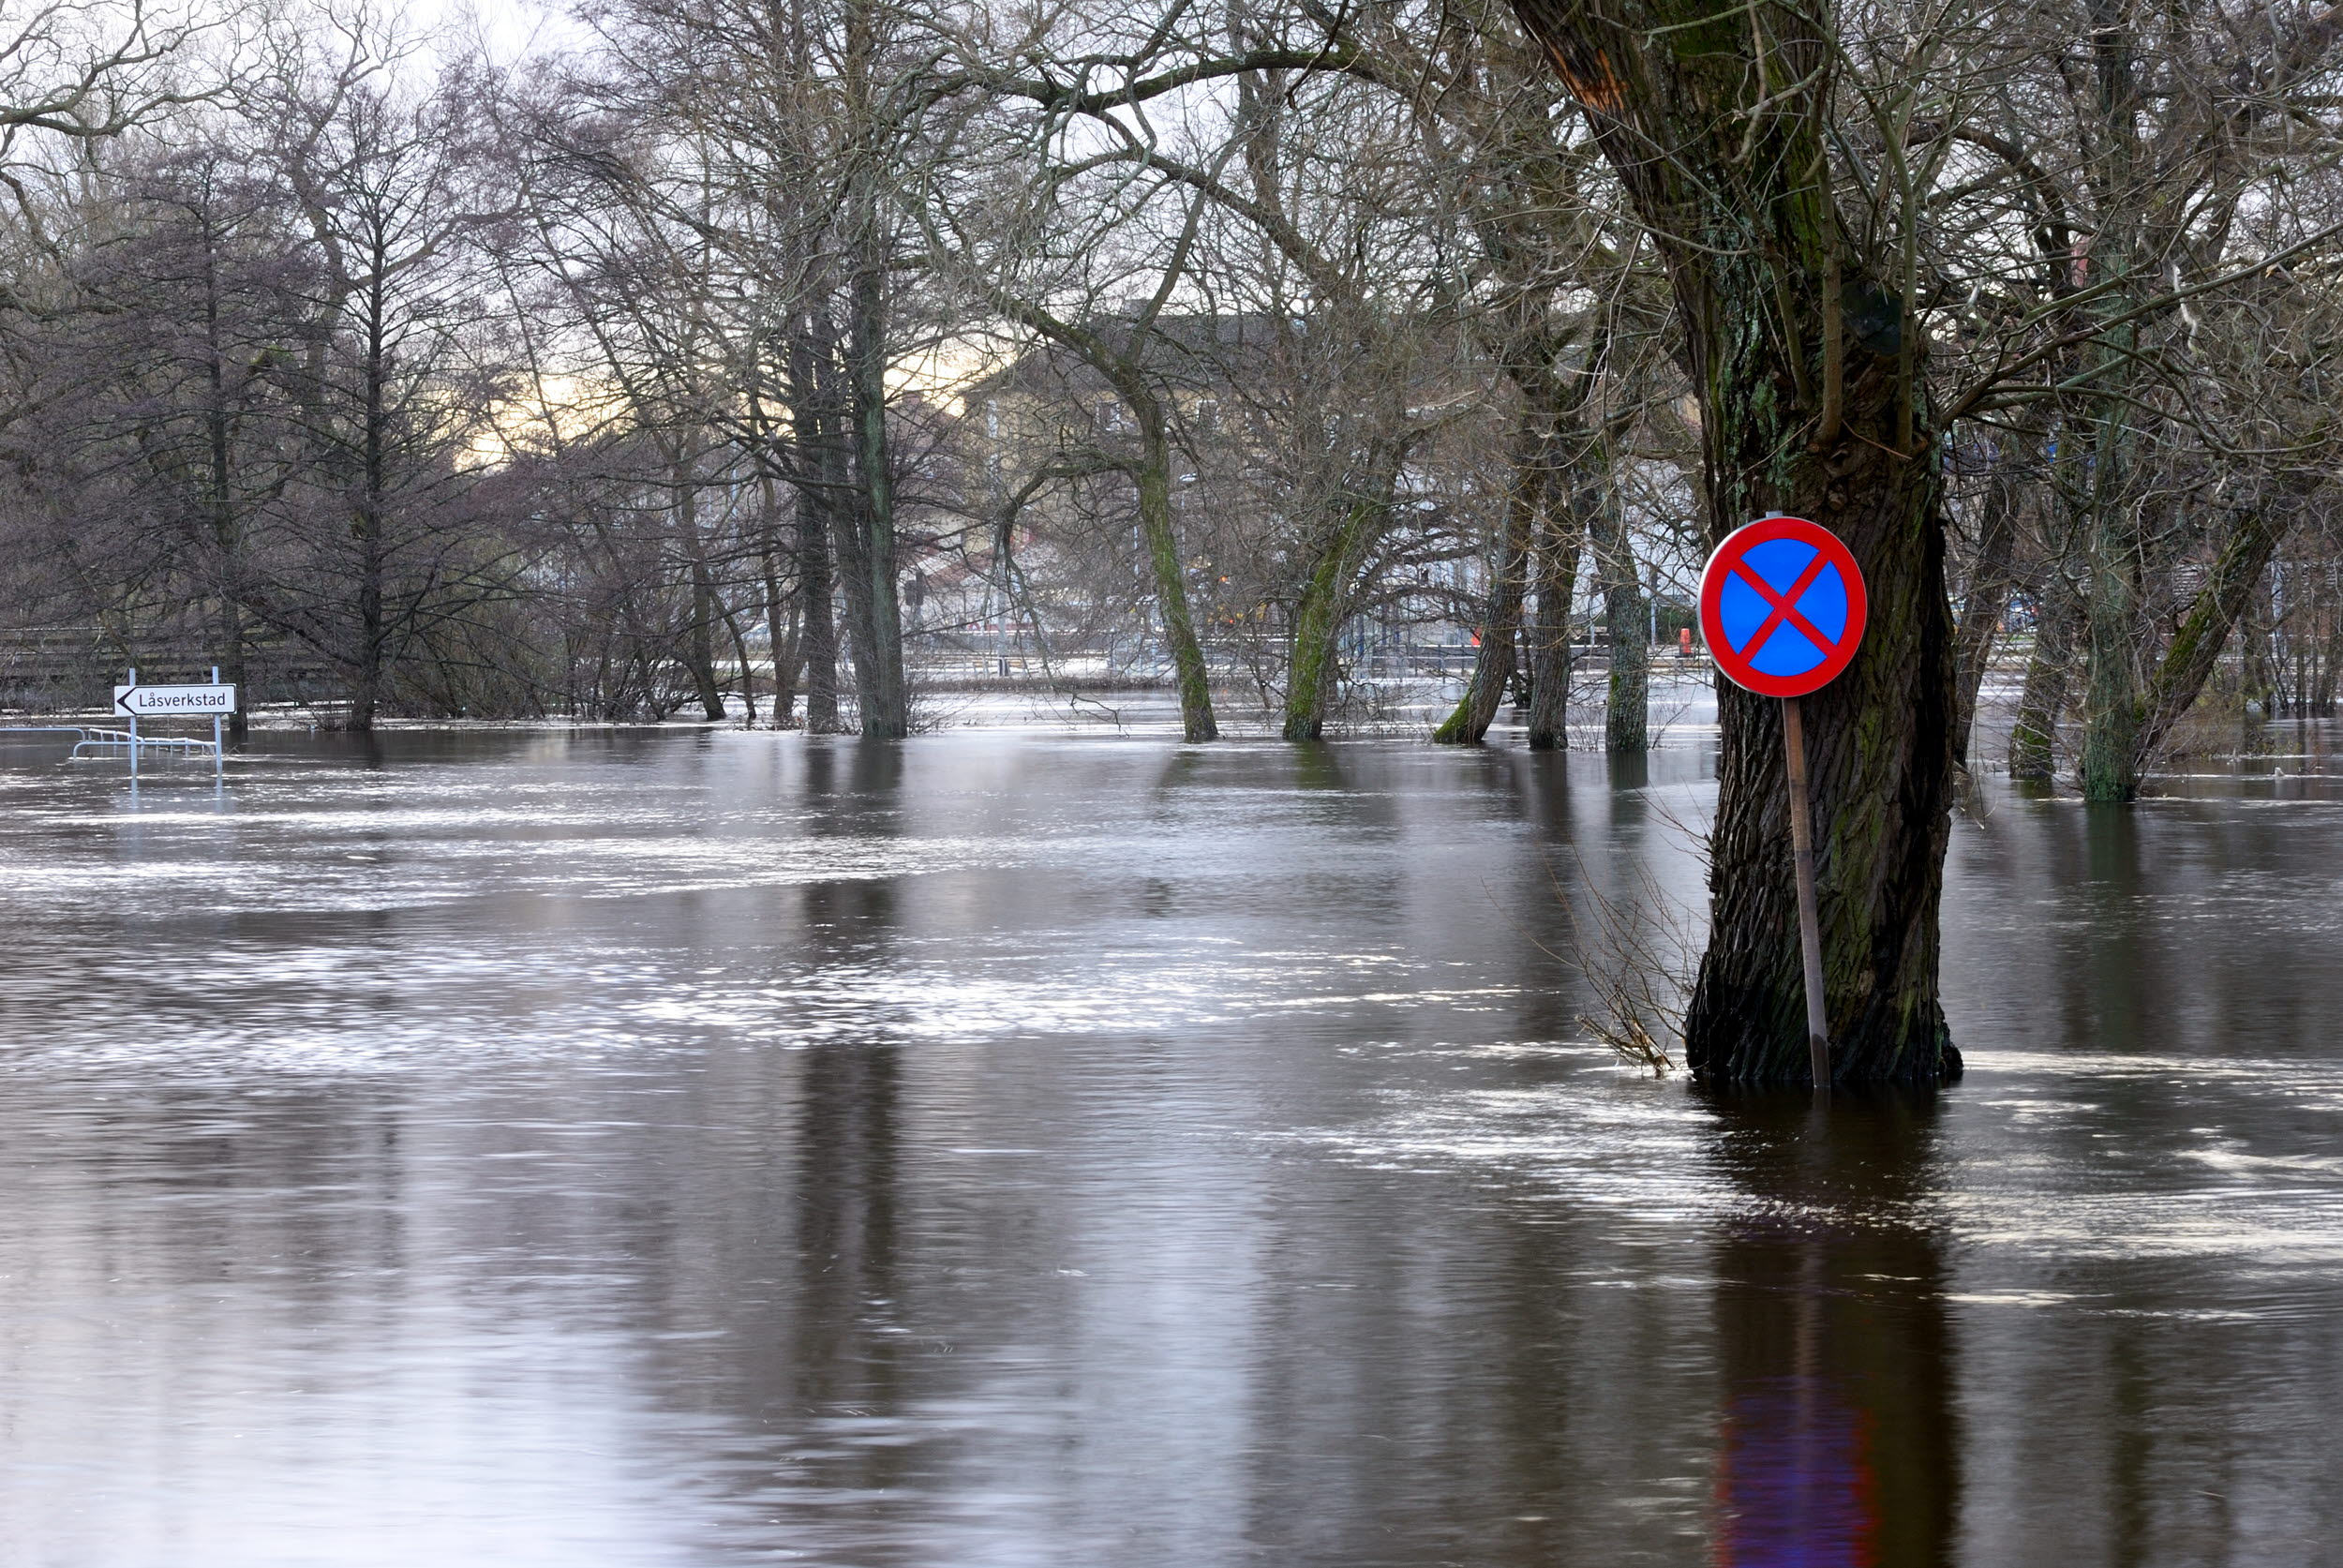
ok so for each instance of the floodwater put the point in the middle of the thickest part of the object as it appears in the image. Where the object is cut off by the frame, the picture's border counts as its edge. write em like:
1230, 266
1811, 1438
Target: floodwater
1021, 1147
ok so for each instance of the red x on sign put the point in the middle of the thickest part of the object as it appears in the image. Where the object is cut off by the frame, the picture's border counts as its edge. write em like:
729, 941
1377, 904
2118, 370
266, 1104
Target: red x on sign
1781, 605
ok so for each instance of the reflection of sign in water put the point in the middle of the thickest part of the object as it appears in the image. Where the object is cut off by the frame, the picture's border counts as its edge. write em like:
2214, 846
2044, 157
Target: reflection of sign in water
1795, 1486
1782, 606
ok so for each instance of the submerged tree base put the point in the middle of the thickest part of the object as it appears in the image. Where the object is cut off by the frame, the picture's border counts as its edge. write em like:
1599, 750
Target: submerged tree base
1757, 1041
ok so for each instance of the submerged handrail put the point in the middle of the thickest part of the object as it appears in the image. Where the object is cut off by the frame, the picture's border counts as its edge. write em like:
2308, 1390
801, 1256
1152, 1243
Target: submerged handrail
96, 739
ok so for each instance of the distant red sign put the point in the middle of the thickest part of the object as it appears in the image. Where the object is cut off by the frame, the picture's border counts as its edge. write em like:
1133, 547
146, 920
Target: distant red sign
1782, 606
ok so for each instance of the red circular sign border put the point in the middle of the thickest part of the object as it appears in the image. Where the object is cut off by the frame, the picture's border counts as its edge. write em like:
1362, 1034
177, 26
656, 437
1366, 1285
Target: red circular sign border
1834, 550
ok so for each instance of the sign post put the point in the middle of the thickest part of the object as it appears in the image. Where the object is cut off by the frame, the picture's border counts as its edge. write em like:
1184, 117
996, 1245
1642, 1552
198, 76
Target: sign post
214, 701
1782, 607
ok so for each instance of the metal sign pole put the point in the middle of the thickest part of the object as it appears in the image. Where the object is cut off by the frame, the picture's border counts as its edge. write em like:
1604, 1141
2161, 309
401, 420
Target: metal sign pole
134, 732
1809, 915
219, 763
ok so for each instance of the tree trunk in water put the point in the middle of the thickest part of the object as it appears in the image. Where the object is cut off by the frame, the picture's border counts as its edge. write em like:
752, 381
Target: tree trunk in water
2033, 740
700, 639
879, 639
1627, 710
741, 656
1493, 667
232, 666
820, 517
2258, 684
2196, 648
1757, 259
221, 503
1879, 754
781, 634
1160, 528
1558, 546
1987, 600
780, 617
2331, 657
1317, 619
2112, 625
818, 620
851, 550
2111, 632
366, 684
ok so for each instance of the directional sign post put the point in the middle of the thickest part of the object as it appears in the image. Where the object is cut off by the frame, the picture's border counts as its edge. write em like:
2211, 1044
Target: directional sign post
1783, 609
174, 702
214, 702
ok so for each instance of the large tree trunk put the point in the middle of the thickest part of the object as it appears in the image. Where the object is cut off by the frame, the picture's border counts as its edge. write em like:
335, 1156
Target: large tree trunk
1713, 125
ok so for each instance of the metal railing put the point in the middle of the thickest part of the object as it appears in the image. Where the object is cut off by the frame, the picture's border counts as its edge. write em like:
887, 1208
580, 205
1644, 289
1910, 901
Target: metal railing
92, 740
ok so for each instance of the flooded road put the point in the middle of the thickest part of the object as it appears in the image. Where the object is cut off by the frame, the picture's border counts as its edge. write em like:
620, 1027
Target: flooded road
1040, 1149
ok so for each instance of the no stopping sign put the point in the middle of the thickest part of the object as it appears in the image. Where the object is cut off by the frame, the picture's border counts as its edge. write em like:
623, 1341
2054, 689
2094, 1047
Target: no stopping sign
1782, 606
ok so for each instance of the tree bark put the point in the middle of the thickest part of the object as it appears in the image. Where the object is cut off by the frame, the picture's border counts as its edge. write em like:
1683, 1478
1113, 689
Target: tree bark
2196, 648
2330, 659
366, 525
1318, 618
1493, 667
1160, 528
780, 609
1627, 708
699, 645
2111, 628
2034, 739
879, 641
821, 490
2111, 633
1560, 541
1987, 600
220, 499
1711, 116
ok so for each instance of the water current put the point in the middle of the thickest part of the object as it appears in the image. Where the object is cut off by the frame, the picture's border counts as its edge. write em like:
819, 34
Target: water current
1040, 1148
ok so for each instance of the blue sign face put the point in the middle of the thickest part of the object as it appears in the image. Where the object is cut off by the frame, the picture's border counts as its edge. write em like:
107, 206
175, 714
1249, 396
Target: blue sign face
1782, 607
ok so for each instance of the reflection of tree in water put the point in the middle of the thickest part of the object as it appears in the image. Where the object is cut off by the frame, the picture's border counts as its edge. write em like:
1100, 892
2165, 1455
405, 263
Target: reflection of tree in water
786, 1315
1837, 1445
841, 1354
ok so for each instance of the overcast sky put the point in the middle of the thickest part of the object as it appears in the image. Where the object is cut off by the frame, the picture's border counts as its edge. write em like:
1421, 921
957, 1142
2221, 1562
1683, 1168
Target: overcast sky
513, 28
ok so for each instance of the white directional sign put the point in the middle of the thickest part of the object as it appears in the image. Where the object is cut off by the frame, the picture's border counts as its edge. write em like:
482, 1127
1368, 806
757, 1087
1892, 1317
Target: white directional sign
174, 702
